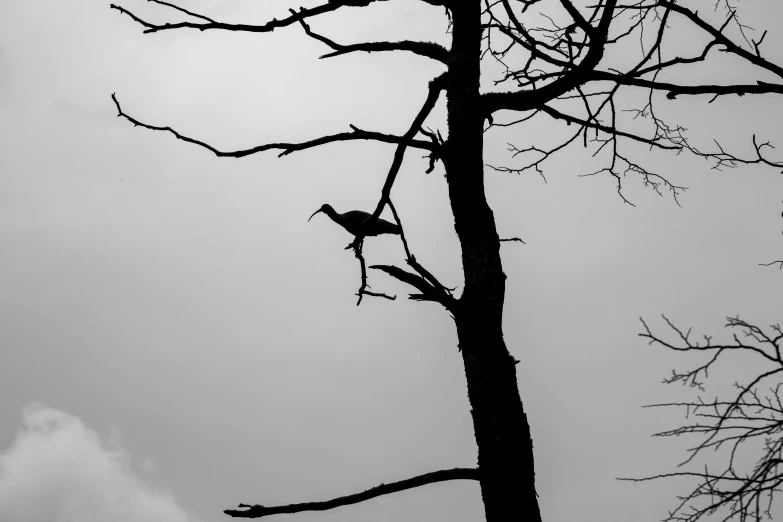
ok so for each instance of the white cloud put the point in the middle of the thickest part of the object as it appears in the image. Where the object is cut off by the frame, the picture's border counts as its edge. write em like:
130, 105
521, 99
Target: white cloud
58, 470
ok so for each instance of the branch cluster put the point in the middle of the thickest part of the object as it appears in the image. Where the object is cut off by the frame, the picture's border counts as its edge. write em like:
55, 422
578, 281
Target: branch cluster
747, 417
428, 286
563, 76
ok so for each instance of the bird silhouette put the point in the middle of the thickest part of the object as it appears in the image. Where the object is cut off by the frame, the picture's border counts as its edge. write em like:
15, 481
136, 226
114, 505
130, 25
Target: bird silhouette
353, 219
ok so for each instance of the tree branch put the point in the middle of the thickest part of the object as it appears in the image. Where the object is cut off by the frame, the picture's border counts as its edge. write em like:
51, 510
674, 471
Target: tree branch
427, 284
772, 263
754, 58
675, 90
435, 87
428, 292
287, 148
577, 17
554, 113
529, 99
258, 511
426, 49
303, 13
182, 10
357, 250
725, 159
440, 288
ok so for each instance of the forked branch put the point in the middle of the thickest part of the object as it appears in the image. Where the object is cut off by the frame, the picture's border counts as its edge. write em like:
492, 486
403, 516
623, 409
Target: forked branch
436, 85
430, 289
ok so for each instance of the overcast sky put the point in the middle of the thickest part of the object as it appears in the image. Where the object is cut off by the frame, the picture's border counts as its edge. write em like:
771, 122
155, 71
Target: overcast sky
176, 338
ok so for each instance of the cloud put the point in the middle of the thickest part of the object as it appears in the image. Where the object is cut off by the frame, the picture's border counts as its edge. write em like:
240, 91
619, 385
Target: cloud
58, 470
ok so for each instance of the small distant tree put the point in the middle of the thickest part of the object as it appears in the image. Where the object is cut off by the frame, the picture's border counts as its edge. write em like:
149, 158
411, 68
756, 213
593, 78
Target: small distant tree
550, 60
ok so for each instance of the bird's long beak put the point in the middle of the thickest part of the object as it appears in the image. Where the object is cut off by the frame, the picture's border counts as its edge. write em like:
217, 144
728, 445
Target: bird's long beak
314, 213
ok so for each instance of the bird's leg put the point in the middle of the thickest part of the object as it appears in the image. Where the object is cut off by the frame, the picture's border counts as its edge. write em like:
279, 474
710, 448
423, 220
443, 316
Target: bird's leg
357, 243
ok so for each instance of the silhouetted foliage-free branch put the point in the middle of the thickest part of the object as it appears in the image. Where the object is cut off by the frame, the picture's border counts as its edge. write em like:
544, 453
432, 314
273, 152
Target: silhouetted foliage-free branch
746, 418
426, 49
428, 285
357, 246
180, 9
287, 148
258, 511
728, 45
435, 87
772, 263
303, 13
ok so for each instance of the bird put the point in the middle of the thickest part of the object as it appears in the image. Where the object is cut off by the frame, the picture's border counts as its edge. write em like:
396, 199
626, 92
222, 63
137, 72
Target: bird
353, 219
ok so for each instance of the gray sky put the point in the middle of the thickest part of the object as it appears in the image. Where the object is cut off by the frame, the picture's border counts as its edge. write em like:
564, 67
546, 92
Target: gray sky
176, 338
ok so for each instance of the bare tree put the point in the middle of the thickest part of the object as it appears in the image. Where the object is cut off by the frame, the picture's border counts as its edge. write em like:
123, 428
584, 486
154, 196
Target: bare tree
553, 59
751, 419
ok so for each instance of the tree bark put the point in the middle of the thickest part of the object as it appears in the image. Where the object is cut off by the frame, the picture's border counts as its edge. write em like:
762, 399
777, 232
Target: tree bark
505, 448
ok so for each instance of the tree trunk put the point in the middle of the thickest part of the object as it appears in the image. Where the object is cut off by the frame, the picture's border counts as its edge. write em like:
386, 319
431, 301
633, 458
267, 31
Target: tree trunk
505, 448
